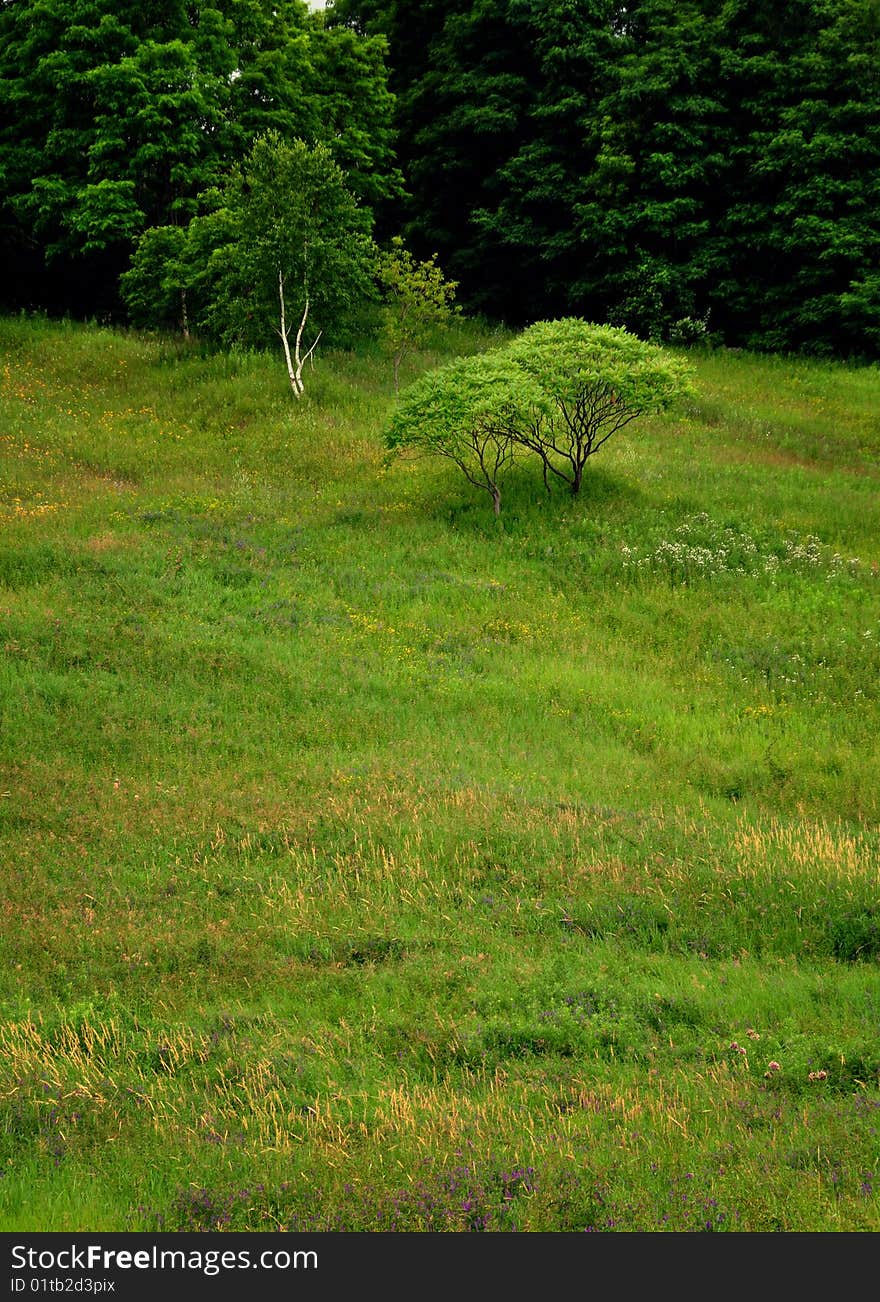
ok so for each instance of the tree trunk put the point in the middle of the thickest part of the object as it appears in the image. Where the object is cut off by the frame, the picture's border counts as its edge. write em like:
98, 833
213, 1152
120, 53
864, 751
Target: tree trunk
284, 331
301, 359
296, 362
496, 499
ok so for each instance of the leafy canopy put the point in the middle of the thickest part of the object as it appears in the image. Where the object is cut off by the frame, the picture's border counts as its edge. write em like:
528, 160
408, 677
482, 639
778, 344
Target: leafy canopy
560, 390
472, 412
116, 117
291, 216
598, 378
685, 169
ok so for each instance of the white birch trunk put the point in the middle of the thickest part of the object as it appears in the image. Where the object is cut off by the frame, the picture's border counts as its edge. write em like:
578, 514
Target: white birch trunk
297, 361
284, 332
302, 358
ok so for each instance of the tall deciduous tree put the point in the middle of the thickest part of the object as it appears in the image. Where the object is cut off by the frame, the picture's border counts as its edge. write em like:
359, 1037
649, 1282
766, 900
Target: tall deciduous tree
803, 227
355, 111
652, 196
115, 116
656, 163
539, 215
110, 117
462, 72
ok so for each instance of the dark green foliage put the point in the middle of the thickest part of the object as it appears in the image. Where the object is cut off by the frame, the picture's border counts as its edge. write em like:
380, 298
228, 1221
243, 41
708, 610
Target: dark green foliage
463, 75
115, 118
651, 204
855, 937
112, 117
802, 233
563, 241
687, 169
696, 172
354, 111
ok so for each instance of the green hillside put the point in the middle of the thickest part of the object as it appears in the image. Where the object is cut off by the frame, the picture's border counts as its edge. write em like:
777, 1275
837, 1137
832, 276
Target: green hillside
371, 863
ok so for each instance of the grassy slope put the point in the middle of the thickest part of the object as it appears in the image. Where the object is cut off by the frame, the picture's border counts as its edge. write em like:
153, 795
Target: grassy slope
369, 864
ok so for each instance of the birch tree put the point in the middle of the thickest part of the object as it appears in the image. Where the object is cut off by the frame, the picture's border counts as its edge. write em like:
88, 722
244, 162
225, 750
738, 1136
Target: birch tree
299, 258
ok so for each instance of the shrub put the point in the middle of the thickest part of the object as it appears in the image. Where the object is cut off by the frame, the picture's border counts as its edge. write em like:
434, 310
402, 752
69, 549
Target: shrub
417, 299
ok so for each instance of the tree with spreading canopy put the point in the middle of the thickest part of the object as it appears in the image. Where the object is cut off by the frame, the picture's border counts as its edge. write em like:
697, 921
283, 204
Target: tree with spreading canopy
472, 412
596, 379
560, 390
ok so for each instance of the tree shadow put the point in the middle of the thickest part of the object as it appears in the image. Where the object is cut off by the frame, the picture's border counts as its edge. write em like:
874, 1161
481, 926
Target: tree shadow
525, 502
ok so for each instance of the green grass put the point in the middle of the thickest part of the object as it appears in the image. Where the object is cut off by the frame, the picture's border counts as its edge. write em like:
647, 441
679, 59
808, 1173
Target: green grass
369, 863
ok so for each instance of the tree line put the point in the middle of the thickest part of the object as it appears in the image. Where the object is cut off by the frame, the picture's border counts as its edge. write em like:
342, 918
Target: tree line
118, 117
681, 168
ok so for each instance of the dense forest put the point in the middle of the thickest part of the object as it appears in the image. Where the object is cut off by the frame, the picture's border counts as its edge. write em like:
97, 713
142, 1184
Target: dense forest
119, 117
685, 168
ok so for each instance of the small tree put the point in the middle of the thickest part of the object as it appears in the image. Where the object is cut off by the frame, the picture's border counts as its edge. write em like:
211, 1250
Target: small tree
301, 250
155, 289
597, 379
283, 246
472, 412
417, 298
176, 273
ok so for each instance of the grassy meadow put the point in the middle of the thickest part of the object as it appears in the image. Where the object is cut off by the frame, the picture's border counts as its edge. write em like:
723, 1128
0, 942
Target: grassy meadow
371, 864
